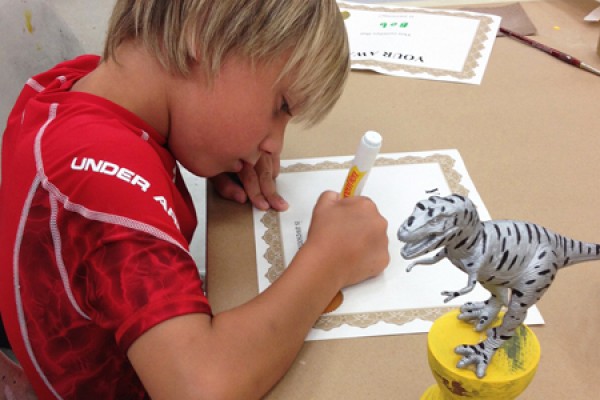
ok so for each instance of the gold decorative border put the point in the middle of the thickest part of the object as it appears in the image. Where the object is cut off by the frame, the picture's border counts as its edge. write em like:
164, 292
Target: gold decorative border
471, 62
275, 258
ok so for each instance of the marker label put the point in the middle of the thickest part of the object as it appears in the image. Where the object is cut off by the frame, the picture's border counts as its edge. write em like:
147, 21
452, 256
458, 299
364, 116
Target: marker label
352, 181
367, 151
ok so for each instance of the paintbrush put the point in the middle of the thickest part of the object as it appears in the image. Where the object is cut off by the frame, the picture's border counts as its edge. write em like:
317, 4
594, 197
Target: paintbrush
549, 50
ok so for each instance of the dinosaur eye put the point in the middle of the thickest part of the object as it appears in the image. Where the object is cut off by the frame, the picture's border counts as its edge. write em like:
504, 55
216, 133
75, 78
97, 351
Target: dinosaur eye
436, 220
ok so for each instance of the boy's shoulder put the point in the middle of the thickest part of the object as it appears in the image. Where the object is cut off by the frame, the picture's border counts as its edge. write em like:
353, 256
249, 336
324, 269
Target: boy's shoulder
52, 80
113, 166
74, 68
107, 146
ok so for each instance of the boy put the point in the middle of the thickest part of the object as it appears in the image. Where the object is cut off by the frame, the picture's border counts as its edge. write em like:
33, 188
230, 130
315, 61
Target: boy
100, 296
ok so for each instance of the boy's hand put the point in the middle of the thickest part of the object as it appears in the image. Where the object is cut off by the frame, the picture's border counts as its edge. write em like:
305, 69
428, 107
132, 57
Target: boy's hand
256, 183
350, 235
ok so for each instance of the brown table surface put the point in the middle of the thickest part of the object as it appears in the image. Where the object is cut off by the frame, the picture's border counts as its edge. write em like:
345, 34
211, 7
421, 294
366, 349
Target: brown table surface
530, 138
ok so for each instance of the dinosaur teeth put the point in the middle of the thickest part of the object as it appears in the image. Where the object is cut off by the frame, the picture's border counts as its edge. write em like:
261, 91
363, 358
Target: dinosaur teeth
414, 249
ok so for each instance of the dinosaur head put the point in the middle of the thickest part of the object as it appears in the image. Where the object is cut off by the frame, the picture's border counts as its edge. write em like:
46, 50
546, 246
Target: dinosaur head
435, 222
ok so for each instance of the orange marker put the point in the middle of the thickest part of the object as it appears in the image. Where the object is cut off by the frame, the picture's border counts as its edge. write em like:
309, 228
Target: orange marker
367, 151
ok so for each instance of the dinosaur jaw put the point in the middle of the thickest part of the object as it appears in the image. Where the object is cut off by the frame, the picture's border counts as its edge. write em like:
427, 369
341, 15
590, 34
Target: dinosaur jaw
414, 249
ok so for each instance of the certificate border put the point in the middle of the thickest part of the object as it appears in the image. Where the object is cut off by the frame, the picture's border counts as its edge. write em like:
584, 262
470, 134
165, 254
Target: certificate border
275, 258
471, 61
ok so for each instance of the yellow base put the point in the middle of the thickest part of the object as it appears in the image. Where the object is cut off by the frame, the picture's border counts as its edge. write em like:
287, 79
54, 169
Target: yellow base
433, 393
511, 370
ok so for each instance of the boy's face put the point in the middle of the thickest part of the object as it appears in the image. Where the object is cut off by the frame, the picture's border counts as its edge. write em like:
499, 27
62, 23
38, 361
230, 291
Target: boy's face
215, 129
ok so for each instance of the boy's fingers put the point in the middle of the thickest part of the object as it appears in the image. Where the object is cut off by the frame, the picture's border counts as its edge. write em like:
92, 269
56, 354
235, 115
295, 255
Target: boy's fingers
329, 195
228, 188
259, 184
251, 183
254, 183
275, 165
268, 188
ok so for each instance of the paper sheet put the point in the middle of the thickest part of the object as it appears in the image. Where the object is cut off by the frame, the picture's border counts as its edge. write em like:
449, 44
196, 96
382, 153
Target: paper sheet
593, 16
395, 302
448, 45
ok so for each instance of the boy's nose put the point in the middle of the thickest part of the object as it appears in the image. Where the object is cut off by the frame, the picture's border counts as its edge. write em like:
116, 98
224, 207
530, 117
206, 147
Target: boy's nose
274, 142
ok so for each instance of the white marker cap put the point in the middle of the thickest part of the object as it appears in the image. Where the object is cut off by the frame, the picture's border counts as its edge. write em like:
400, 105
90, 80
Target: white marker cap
372, 139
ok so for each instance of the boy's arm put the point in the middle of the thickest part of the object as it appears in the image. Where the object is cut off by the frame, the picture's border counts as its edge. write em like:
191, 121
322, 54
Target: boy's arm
243, 352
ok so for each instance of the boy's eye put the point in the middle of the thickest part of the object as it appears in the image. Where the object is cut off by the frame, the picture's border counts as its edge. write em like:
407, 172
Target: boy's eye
285, 107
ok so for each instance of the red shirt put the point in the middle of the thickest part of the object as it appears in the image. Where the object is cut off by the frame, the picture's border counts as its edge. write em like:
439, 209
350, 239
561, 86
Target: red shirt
94, 245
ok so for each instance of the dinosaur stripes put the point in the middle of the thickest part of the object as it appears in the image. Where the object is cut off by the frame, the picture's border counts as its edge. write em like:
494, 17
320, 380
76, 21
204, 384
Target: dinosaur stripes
511, 235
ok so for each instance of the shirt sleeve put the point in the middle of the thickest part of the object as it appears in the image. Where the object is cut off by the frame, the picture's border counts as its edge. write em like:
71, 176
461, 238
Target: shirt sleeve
132, 281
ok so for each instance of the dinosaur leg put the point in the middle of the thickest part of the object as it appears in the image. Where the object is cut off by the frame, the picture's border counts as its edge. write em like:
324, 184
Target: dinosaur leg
480, 355
450, 295
483, 313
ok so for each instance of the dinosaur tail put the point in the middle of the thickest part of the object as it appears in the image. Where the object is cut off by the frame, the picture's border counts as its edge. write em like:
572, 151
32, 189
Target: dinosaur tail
575, 251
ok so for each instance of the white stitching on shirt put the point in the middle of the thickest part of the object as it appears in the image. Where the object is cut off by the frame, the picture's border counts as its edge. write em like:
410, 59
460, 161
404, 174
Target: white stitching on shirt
35, 85
17, 288
59, 258
19, 302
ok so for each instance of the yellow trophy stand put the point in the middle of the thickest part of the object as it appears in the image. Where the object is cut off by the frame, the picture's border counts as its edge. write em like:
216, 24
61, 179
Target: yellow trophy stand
511, 370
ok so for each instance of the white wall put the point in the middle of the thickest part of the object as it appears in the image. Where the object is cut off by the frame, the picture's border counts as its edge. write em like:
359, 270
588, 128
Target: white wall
37, 34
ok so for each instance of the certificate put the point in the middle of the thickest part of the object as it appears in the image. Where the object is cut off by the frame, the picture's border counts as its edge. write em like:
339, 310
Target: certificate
394, 302
447, 45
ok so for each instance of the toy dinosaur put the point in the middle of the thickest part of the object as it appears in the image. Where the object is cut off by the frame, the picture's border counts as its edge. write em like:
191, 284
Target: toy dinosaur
515, 261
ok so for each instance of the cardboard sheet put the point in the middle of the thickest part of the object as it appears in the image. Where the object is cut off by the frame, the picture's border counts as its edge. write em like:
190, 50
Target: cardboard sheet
395, 302
514, 17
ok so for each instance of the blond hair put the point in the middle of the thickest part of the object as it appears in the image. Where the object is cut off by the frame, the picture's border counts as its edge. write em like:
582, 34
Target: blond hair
181, 33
